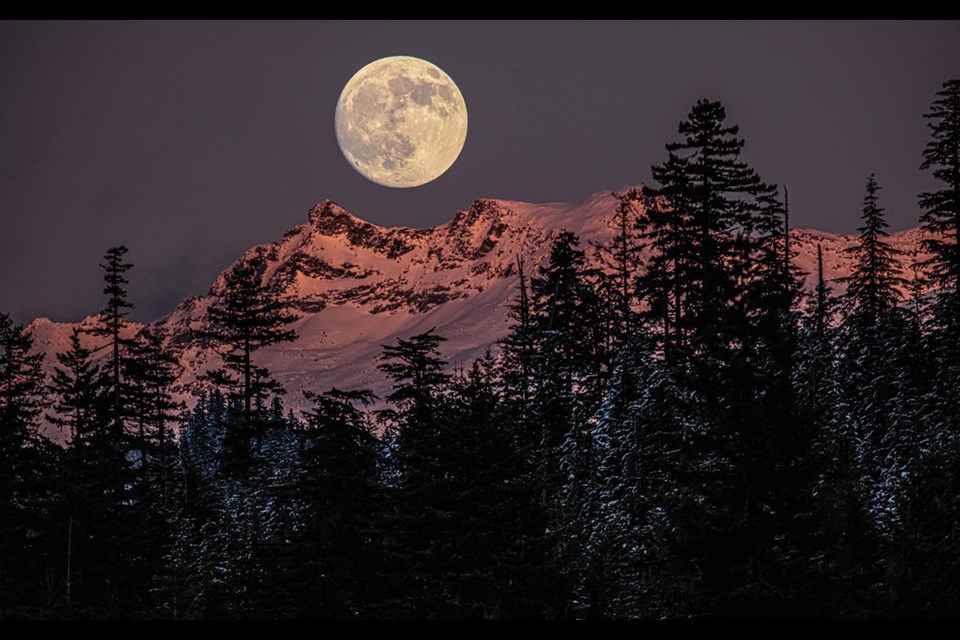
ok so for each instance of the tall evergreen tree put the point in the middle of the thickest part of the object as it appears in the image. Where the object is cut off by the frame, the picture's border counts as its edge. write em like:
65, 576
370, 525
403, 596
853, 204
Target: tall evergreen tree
422, 511
150, 371
569, 340
245, 316
927, 511
497, 547
74, 386
941, 217
111, 322
701, 287
873, 330
621, 258
97, 486
570, 370
26, 525
334, 551
872, 286
519, 347
702, 210
21, 386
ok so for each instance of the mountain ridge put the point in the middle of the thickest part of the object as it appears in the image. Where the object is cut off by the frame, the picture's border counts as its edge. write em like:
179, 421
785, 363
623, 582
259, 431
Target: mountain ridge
358, 285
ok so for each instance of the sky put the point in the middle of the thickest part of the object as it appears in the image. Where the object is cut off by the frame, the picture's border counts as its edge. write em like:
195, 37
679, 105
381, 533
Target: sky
189, 142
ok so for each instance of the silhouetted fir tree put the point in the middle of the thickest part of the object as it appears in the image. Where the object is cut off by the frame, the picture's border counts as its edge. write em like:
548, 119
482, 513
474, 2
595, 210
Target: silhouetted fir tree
21, 386
96, 501
782, 472
569, 347
245, 316
79, 408
99, 479
30, 580
195, 563
418, 375
666, 232
422, 509
111, 322
839, 548
150, 371
701, 228
941, 217
923, 565
873, 328
330, 564
75, 391
822, 306
538, 578
519, 353
496, 549
569, 372
620, 257
704, 202
872, 286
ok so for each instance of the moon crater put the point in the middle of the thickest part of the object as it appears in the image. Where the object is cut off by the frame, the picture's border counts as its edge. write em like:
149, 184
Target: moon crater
401, 121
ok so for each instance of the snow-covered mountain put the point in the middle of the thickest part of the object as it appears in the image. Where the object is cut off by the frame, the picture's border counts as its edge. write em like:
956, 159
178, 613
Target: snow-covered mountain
358, 286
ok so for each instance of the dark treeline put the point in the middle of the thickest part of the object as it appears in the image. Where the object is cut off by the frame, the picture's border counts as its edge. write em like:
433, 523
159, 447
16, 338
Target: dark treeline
683, 433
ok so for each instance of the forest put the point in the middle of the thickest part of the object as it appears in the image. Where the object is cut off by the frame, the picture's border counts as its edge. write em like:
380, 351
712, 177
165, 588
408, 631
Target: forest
687, 432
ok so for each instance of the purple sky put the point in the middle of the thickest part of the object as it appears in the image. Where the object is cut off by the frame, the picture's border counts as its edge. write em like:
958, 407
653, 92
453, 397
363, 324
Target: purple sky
190, 142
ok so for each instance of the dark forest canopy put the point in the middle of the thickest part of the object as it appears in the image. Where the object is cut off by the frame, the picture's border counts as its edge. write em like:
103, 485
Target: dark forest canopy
688, 436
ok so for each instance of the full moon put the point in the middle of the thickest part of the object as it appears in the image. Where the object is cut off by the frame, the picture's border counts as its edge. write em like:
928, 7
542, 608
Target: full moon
401, 122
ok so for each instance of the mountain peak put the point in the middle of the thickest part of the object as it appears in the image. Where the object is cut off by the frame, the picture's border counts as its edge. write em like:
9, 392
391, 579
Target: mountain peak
331, 219
481, 211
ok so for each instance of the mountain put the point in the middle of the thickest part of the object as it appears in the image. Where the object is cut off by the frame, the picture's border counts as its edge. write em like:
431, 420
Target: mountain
358, 286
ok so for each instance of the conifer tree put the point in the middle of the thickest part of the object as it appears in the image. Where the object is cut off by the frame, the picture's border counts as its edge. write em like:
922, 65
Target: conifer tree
150, 371
927, 511
701, 227
26, 466
520, 365
496, 543
872, 286
570, 370
246, 316
873, 331
96, 497
701, 211
620, 256
422, 504
21, 386
333, 554
941, 217
74, 386
570, 343
111, 322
